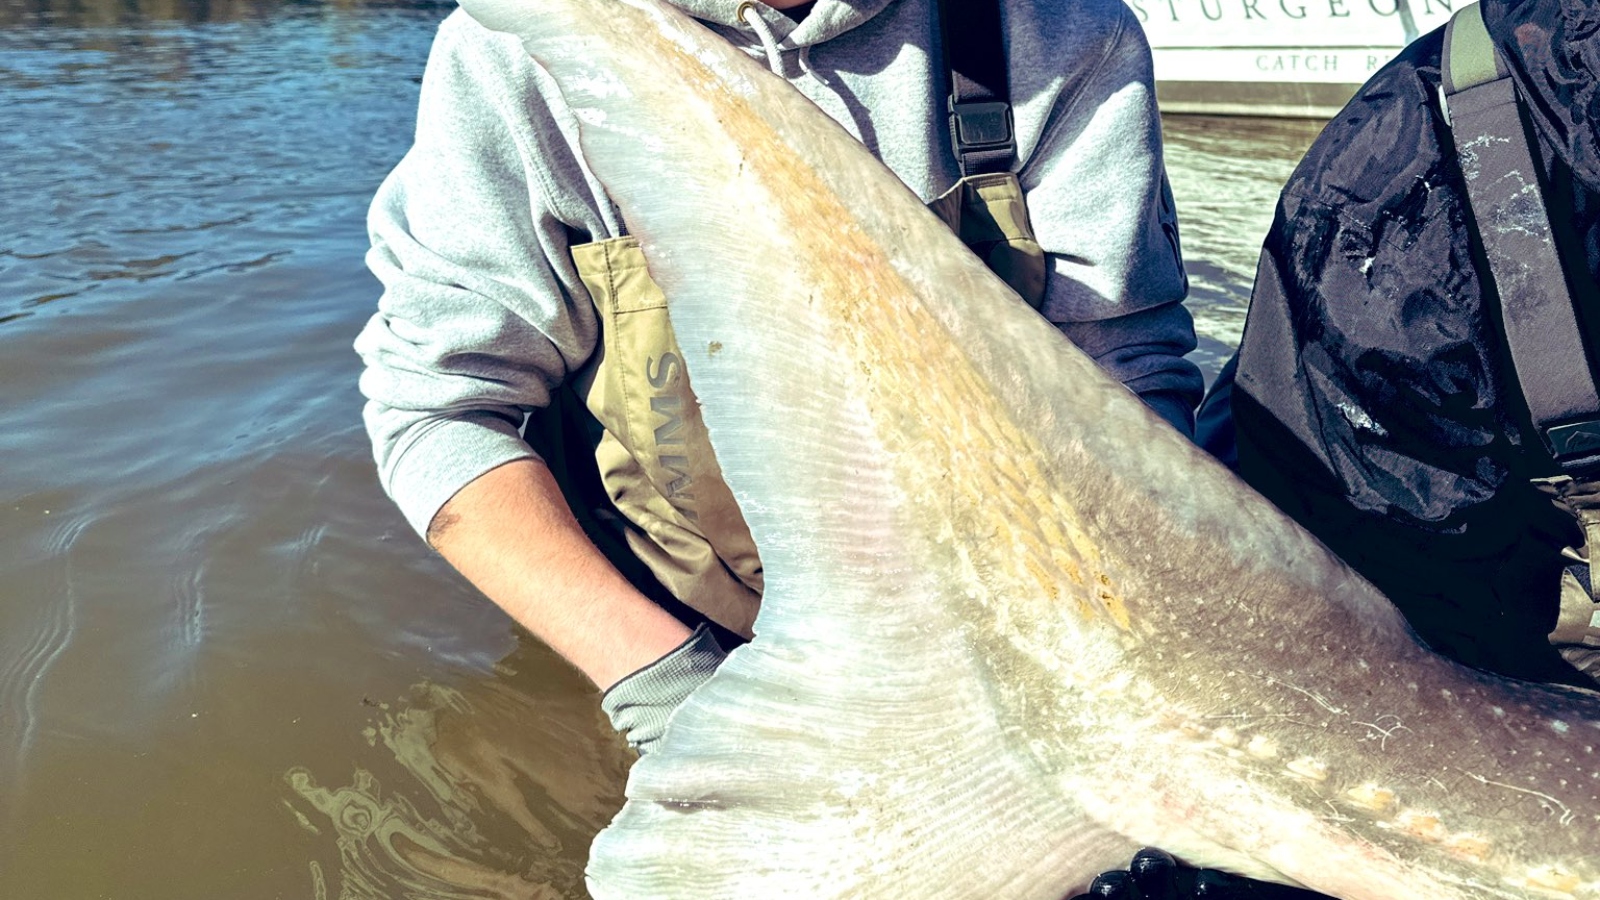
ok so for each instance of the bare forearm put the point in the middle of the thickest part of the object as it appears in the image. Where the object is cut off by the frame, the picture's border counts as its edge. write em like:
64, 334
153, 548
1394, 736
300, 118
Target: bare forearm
511, 534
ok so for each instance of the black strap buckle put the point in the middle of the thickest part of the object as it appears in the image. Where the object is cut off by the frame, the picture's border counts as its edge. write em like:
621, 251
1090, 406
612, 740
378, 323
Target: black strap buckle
1575, 445
981, 128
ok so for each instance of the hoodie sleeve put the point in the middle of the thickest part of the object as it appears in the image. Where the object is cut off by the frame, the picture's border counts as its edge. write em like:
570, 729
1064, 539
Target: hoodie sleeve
474, 327
1100, 205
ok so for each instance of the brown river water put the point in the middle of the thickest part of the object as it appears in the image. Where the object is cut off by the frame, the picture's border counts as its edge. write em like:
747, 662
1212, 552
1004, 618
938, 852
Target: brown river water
227, 667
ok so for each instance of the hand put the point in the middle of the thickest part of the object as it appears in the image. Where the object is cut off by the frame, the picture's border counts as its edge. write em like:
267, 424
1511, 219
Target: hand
640, 704
1155, 875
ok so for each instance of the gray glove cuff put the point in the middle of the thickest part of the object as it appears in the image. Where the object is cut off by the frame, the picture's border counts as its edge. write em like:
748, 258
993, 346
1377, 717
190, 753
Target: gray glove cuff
640, 704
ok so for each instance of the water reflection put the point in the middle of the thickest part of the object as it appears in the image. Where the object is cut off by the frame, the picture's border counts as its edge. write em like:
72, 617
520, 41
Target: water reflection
513, 785
103, 13
137, 150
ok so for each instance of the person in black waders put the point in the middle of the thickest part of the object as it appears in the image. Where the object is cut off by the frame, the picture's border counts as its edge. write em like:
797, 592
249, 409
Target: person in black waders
1416, 380
1415, 384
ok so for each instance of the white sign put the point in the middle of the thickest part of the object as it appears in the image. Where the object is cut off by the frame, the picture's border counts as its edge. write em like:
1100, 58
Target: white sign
1298, 26
1272, 64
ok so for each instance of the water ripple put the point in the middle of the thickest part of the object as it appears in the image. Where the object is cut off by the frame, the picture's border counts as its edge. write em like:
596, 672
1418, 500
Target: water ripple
189, 603
303, 549
22, 681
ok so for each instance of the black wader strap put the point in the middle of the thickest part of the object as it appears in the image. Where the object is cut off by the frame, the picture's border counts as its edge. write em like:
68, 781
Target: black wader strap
980, 98
1507, 201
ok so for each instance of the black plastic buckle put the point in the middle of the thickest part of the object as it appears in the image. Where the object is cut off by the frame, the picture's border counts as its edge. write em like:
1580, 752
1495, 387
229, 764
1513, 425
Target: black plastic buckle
983, 127
1575, 445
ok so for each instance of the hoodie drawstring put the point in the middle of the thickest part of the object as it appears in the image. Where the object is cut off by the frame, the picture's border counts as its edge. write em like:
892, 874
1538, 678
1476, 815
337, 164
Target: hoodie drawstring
747, 14
805, 64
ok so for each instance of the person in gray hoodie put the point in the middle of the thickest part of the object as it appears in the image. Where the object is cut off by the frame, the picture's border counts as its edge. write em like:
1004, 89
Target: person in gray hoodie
527, 407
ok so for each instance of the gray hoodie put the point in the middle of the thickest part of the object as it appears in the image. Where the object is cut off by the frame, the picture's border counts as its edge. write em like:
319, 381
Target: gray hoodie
483, 313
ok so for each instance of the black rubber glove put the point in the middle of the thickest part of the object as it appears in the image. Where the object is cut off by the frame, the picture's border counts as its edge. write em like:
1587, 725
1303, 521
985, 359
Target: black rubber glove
1154, 875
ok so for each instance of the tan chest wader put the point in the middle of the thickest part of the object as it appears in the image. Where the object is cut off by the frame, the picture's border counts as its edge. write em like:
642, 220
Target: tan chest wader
1541, 327
653, 497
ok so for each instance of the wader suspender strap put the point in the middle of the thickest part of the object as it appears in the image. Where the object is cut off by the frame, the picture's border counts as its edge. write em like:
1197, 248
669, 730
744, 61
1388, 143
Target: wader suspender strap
980, 99
1505, 198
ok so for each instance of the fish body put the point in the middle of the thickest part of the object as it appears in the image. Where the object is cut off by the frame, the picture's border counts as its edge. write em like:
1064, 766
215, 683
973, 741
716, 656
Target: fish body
1014, 625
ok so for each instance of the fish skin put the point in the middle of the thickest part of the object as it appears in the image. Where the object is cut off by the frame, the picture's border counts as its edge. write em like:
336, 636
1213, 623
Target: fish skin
1014, 625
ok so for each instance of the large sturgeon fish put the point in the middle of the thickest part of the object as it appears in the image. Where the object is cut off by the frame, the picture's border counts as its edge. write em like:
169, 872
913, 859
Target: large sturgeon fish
1014, 626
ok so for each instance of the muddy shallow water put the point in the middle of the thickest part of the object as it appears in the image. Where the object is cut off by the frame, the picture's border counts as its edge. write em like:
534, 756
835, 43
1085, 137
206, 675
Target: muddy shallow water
227, 667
